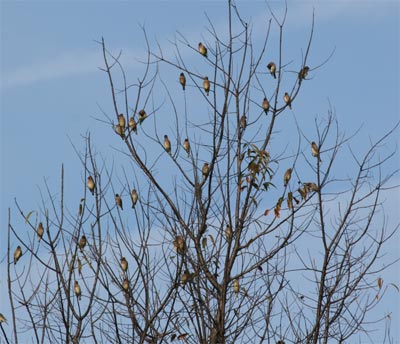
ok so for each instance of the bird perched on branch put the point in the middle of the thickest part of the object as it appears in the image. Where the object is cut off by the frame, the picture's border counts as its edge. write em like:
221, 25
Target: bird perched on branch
315, 150
186, 146
167, 144
272, 69
124, 264
287, 100
17, 254
287, 176
182, 80
206, 85
121, 121
3, 318
40, 231
202, 49
134, 197
77, 289
118, 201
90, 184
205, 170
265, 105
120, 131
132, 124
142, 116
303, 72
228, 232
243, 122
82, 242
179, 244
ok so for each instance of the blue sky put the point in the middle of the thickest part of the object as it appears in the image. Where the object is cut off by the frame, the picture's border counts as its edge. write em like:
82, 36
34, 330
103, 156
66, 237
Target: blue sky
51, 87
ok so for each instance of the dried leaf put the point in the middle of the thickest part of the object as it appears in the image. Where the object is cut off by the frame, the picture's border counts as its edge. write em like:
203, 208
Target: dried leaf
380, 282
28, 216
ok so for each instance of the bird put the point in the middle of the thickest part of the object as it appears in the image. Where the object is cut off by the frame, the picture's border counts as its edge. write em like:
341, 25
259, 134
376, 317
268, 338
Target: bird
290, 200
17, 254
134, 197
120, 131
90, 184
228, 232
186, 146
287, 176
132, 124
167, 144
3, 318
142, 116
272, 69
265, 105
40, 230
236, 286
202, 49
118, 201
206, 85
303, 72
77, 289
315, 150
79, 267
121, 121
287, 100
243, 122
182, 80
124, 264
82, 242
125, 284
205, 170
179, 244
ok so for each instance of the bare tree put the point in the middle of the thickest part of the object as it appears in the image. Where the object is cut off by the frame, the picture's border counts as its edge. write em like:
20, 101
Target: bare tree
214, 233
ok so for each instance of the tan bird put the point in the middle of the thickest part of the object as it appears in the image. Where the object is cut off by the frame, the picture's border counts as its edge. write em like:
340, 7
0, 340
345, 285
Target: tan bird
182, 80
206, 85
134, 197
205, 170
17, 254
179, 244
120, 131
243, 122
40, 231
167, 144
132, 124
272, 69
82, 242
202, 49
125, 284
236, 286
186, 146
77, 289
3, 318
228, 232
287, 176
303, 72
142, 116
287, 100
315, 150
118, 201
124, 264
121, 121
265, 105
91, 185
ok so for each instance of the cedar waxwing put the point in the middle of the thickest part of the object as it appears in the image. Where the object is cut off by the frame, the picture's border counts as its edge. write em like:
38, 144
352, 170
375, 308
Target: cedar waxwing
142, 116
3, 318
228, 232
40, 231
118, 201
236, 286
265, 105
206, 85
287, 100
187, 277
202, 49
272, 69
120, 131
90, 184
179, 244
132, 124
287, 176
134, 197
167, 144
125, 284
186, 146
313, 187
121, 121
205, 170
304, 72
315, 150
77, 289
182, 80
79, 267
124, 264
17, 254
82, 242
243, 122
